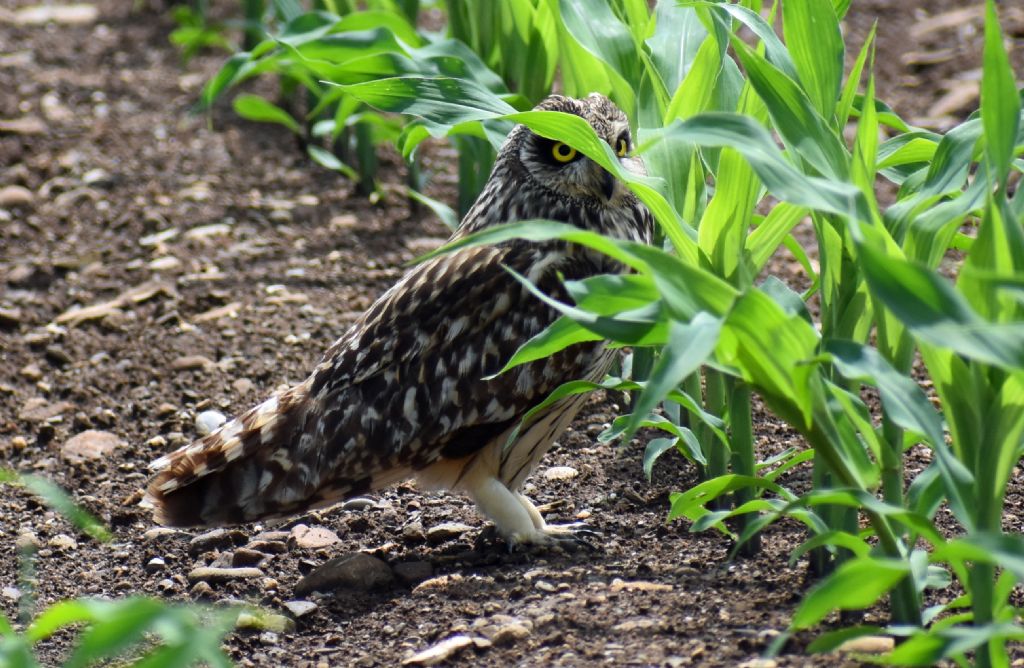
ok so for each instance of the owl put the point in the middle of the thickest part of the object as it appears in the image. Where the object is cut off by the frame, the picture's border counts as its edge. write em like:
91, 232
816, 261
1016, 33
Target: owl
409, 390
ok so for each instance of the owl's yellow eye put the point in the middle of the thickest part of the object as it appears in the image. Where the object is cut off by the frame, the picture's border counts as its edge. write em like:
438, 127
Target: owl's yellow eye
622, 147
563, 152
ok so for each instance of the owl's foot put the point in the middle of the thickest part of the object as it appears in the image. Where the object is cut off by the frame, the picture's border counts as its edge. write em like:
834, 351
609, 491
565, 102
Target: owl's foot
552, 537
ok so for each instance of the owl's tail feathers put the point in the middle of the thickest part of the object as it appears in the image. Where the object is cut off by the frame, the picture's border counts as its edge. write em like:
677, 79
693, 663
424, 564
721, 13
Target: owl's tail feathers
238, 473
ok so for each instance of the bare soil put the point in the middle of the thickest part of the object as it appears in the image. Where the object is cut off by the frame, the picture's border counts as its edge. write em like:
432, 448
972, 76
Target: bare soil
234, 262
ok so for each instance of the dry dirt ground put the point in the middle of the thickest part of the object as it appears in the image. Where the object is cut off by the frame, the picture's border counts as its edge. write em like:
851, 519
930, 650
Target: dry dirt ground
233, 262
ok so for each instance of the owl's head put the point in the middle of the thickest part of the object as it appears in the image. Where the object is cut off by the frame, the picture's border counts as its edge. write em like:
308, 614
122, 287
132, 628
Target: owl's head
563, 169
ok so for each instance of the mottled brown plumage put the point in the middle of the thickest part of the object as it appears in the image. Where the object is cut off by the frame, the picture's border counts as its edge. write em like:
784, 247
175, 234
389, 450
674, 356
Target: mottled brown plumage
406, 391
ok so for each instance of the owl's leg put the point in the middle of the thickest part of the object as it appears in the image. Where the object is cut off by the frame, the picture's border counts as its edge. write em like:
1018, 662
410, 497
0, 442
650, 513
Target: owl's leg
518, 521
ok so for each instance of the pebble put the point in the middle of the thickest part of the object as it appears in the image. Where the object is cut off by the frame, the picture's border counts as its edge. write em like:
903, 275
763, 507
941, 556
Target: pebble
201, 589
165, 409
188, 362
442, 651
271, 622
640, 585
244, 556
242, 385
31, 371
268, 546
207, 421
38, 409
15, 196
358, 571
166, 585
214, 574
10, 317
89, 445
159, 533
155, 564
62, 541
71, 14
560, 473
216, 539
359, 503
545, 586
300, 609
27, 541
413, 532
413, 572
313, 537
868, 645
11, 593
446, 531
98, 177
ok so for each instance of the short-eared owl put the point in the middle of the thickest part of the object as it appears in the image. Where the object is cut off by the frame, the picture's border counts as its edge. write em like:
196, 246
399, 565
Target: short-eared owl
406, 391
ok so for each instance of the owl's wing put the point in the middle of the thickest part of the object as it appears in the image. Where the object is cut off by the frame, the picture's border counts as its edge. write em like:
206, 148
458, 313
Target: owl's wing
402, 389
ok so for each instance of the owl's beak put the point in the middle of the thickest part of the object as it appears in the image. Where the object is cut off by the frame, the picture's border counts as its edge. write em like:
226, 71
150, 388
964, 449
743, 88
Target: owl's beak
607, 184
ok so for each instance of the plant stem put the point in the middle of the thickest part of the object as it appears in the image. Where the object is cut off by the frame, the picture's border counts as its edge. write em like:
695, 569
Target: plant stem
741, 436
714, 403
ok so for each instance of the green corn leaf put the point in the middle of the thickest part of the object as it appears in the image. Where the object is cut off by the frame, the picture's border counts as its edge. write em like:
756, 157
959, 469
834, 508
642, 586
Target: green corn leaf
832, 538
929, 306
255, 108
689, 345
849, 91
762, 243
57, 499
603, 35
815, 42
856, 584
114, 628
793, 114
1000, 102
655, 448
325, 158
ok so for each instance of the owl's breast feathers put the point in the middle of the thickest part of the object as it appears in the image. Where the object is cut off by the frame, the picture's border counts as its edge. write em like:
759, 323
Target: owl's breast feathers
406, 386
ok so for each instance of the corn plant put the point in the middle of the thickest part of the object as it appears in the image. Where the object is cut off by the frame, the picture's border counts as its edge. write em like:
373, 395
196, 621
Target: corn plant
186, 634
698, 306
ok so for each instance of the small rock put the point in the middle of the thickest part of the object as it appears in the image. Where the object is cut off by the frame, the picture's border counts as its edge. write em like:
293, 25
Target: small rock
70, 14
188, 362
214, 574
868, 645
201, 589
165, 409
545, 586
155, 564
10, 317
15, 196
26, 125
98, 177
359, 503
159, 533
446, 531
413, 572
300, 609
89, 445
640, 585
57, 356
166, 585
242, 385
31, 371
11, 593
414, 533
38, 409
207, 421
165, 263
268, 546
62, 541
345, 220
217, 539
245, 556
508, 633
313, 537
27, 541
270, 622
359, 571
560, 473
442, 651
